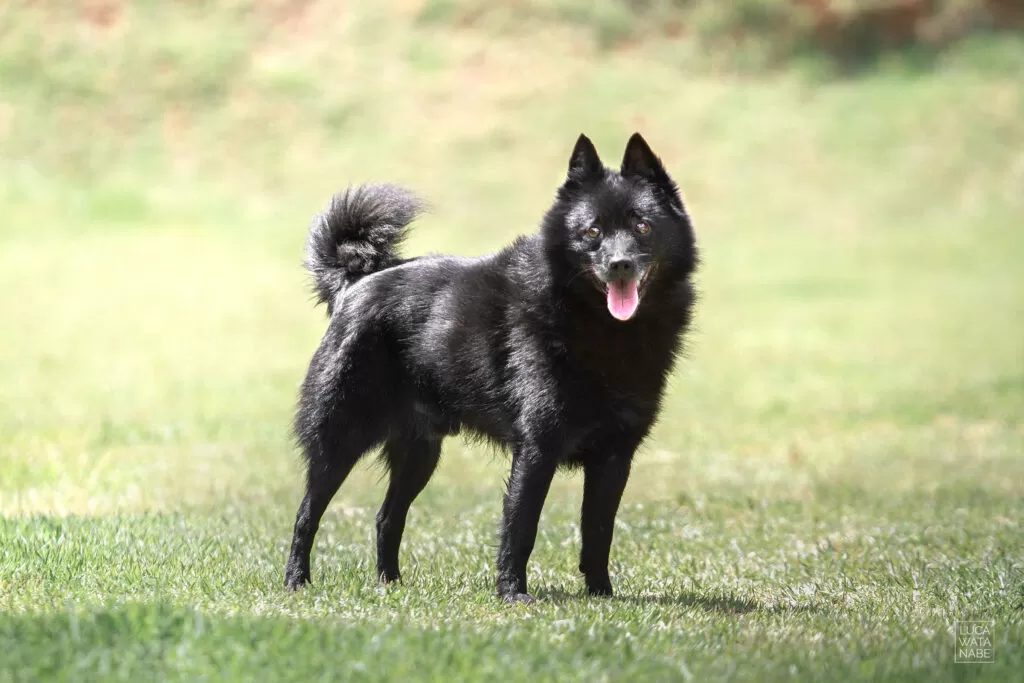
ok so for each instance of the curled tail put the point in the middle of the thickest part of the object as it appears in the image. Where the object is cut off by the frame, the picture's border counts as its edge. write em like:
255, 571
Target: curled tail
358, 233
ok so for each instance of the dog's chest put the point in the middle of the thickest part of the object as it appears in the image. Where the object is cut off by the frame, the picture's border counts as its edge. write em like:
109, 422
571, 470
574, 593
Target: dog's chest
622, 368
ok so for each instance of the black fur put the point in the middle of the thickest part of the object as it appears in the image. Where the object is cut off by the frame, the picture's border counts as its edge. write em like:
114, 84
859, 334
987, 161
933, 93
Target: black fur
358, 233
518, 346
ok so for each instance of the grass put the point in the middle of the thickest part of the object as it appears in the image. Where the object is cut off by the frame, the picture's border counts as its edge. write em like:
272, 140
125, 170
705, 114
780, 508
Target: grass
837, 476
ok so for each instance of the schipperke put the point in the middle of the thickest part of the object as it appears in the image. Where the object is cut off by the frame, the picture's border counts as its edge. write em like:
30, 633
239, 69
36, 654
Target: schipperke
557, 347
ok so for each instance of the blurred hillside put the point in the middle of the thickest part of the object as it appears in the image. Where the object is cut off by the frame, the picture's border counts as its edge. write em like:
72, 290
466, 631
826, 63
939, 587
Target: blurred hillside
167, 105
851, 32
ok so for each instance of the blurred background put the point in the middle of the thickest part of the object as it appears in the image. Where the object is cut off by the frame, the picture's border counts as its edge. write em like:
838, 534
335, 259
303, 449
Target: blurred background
855, 171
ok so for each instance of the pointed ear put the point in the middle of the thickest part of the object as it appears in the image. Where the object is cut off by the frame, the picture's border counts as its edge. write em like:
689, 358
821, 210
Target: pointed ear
639, 160
584, 161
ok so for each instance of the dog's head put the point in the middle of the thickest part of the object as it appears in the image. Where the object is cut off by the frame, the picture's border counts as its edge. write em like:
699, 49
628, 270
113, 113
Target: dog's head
625, 232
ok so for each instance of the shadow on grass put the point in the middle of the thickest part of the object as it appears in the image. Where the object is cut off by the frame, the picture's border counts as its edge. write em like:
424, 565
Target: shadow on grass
710, 603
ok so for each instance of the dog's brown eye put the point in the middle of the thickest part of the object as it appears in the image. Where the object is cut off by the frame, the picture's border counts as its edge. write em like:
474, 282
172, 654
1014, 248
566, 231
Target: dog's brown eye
642, 227
593, 232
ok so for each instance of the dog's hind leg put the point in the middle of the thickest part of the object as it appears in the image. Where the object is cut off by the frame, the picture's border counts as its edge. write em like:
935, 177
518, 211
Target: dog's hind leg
328, 466
412, 461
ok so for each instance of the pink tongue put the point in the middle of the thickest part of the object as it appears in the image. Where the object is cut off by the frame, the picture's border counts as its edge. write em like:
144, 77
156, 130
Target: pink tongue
623, 299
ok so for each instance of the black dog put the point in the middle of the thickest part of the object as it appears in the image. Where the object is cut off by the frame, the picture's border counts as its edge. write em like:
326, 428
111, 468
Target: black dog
557, 347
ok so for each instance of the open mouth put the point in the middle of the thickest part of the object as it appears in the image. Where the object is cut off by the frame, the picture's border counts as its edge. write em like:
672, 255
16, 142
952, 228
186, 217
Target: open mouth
623, 296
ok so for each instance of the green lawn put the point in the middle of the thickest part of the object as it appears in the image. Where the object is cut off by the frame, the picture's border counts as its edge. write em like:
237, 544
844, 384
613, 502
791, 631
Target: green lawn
838, 475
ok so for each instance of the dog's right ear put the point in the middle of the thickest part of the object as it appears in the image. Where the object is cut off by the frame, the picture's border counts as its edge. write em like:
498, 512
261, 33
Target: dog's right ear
584, 162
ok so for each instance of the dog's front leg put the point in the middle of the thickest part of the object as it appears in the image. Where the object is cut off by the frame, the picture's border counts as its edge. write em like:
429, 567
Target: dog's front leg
604, 480
528, 484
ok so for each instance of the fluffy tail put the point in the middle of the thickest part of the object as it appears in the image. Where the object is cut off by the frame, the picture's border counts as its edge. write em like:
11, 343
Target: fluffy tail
358, 233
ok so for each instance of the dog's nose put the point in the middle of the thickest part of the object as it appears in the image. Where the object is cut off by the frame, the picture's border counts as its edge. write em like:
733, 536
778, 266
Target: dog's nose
621, 268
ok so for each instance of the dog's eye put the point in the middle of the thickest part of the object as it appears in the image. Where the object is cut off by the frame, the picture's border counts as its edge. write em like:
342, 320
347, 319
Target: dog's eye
593, 232
643, 227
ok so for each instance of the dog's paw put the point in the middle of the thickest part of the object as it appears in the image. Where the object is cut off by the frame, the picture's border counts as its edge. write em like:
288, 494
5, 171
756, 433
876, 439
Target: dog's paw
601, 589
387, 577
295, 581
518, 599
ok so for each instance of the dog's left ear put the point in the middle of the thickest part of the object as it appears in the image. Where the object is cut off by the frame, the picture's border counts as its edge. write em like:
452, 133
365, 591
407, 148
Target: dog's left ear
639, 160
